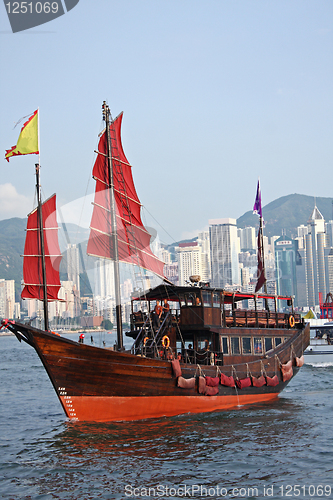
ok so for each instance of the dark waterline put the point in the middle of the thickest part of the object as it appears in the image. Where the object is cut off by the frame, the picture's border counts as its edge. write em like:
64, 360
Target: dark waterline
258, 449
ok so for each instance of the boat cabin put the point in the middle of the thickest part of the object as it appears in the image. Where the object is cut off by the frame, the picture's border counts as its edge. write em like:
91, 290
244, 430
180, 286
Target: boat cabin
200, 324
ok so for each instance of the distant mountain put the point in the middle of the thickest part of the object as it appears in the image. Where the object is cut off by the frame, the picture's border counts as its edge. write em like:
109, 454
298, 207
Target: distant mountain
12, 236
286, 213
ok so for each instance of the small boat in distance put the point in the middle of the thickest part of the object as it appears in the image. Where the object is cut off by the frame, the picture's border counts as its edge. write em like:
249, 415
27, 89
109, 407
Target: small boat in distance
320, 350
205, 349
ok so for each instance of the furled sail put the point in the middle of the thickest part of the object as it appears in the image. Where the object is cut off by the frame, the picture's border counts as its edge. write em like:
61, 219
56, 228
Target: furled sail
32, 258
133, 238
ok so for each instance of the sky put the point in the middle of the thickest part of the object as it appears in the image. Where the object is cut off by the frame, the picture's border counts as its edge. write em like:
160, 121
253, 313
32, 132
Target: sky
215, 94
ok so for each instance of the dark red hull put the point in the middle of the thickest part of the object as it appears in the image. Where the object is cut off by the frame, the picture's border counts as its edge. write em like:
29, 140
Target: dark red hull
95, 384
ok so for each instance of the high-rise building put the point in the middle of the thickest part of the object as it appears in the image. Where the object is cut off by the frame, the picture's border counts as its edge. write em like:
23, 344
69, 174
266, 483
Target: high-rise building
203, 242
7, 298
224, 251
329, 233
189, 258
247, 238
315, 257
73, 266
104, 278
285, 260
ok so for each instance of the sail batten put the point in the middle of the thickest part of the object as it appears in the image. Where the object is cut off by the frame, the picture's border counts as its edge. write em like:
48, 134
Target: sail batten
132, 236
32, 257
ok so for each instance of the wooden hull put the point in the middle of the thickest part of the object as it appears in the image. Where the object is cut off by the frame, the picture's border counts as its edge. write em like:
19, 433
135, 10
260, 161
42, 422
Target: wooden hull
100, 385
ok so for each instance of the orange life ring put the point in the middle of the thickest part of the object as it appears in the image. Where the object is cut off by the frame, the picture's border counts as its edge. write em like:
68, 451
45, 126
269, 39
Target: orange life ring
166, 342
291, 321
145, 340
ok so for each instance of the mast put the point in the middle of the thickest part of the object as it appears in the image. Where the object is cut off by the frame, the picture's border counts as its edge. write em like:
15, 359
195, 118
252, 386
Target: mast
106, 118
41, 236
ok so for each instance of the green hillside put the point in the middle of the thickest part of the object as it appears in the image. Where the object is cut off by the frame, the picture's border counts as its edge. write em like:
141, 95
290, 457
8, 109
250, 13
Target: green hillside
286, 213
12, 238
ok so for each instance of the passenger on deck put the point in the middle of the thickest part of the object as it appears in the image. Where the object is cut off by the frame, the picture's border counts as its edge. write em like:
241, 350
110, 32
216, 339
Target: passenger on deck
197, 301
157, 315
165, 307
190, 353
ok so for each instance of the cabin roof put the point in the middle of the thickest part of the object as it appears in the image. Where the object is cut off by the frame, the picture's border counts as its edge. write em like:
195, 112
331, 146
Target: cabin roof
173, 292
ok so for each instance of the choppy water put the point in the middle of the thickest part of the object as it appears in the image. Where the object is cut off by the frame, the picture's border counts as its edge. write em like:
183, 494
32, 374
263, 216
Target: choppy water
261, 451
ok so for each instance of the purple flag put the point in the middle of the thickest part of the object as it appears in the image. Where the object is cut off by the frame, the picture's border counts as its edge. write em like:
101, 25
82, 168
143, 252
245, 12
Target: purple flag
257, 204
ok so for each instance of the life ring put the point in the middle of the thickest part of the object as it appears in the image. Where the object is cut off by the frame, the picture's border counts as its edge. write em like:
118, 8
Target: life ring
291, 321
145, 340
166, 342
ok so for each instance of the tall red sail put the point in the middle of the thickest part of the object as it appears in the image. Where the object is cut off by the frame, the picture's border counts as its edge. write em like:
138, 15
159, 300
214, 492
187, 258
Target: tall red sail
133, 237
32, 258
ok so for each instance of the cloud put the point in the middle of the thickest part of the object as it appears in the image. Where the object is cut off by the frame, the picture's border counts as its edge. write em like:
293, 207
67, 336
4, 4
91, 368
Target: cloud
13, 204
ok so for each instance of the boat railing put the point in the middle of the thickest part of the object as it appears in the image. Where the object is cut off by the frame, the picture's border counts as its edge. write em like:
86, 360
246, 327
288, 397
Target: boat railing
259, 319
201, 357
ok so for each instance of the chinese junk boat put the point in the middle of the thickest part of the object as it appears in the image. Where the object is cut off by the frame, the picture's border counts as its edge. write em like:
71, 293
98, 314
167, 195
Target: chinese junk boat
209, 350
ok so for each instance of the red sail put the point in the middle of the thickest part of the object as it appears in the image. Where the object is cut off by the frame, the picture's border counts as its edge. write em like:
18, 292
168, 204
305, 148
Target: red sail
133, 238
32, 262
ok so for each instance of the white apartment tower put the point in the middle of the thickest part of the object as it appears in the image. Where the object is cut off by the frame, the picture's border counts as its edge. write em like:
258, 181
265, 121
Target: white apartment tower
7, 298
73, 266
104, 278
189, 258
315, 257
224, 252
203, 242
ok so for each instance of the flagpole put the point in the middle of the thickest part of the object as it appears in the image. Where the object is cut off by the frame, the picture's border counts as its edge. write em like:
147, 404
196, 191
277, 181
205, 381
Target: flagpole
41, 230
38, 136
262, 251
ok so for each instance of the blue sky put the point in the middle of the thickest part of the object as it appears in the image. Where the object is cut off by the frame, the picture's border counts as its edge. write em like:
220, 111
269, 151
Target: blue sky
215, 93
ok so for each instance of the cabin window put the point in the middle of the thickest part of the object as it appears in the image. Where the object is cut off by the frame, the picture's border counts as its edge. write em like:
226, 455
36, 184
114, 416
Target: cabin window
182, 300
207, 299
235, 345
190, 299
268, 344
278, 341
224, 345
257, 342
246, 345
216, 299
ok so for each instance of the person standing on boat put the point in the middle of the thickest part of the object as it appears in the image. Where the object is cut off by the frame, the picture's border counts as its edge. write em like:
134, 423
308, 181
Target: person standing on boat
166, 309
157, 316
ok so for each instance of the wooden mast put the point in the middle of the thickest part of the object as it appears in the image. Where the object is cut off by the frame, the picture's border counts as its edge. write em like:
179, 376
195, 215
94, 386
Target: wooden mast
42, 248
106, 118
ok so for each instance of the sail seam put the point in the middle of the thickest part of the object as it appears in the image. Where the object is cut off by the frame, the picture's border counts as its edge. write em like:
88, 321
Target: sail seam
124, 194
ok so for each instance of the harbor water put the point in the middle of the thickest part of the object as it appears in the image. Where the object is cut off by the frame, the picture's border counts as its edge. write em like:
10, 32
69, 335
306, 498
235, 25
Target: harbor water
283, 449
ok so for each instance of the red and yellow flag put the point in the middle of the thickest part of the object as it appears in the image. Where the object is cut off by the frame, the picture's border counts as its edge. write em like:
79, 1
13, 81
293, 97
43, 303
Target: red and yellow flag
27, 143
